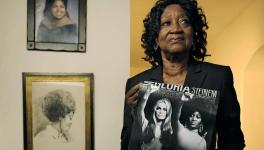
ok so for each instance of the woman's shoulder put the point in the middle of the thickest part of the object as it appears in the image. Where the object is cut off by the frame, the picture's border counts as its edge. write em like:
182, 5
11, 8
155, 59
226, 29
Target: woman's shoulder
65, 22
214, 68
47, 132
144, 75
70, 27
216, 72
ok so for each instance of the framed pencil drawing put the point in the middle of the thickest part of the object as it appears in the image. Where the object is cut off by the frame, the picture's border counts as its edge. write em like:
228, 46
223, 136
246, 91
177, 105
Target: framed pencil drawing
58, 111
56, 25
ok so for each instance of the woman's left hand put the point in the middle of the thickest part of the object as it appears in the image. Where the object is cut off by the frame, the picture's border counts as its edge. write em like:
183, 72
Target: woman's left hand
131, 96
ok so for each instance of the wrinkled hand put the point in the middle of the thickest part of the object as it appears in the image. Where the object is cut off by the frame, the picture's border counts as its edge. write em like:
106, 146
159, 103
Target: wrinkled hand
186, 96
131, 96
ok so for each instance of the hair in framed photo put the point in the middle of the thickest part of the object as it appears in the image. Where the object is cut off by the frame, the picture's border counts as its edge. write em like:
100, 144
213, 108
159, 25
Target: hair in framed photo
57, 25
58, 111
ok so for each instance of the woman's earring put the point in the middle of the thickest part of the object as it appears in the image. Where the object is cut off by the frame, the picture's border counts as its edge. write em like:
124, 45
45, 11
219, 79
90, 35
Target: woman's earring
201, 128
156, 47
193, 47
185, 124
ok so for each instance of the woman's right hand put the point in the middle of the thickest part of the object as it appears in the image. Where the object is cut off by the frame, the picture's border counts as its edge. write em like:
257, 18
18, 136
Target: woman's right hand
186, 96
131, 96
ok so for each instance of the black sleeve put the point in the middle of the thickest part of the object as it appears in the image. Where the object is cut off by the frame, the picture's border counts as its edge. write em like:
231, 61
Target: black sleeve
230, 136
127, 122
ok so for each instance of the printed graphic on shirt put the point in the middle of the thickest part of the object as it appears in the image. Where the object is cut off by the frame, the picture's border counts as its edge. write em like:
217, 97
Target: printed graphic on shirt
174, 117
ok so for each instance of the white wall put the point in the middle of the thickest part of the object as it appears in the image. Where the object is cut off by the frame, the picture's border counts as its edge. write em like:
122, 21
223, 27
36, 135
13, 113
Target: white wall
107, 57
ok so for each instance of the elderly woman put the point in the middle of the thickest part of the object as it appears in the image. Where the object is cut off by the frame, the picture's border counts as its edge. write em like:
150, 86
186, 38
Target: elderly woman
57, 26
59, 107
174, 40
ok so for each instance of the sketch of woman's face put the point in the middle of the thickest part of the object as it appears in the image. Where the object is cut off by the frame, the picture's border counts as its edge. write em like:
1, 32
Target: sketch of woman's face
66, 122
195, 120
161, 110
58, 9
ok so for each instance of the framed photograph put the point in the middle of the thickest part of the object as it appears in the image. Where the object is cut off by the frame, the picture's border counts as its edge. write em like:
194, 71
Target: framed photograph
56, 25
58, 111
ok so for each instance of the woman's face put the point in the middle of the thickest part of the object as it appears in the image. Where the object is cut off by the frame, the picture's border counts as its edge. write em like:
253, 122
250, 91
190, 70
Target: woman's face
66, 122
58, 9
195, 120
176, 33
161, 110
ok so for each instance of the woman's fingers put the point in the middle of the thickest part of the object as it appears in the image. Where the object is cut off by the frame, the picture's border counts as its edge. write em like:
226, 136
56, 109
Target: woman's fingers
132, 91
131, 96
154, 88
132, 101
189, 95
186, 96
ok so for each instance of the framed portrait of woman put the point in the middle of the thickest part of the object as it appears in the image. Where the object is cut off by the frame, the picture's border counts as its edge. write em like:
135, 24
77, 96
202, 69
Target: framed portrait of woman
58, 111
56, 25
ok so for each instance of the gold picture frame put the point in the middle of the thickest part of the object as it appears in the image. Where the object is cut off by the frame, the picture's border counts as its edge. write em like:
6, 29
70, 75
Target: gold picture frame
58, 111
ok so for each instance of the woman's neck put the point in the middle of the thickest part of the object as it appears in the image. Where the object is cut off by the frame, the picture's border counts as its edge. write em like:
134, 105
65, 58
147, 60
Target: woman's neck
157, 130
159, 123
194, 130
56, 125
174, 71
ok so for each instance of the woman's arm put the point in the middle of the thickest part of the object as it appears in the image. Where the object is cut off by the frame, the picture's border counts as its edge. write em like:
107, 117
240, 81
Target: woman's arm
130, 102
230, 136
177, 111
143, 122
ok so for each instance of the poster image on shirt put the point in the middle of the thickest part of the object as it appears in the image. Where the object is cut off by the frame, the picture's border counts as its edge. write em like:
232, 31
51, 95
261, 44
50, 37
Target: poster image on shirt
174, 117
56, 25
58, 111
